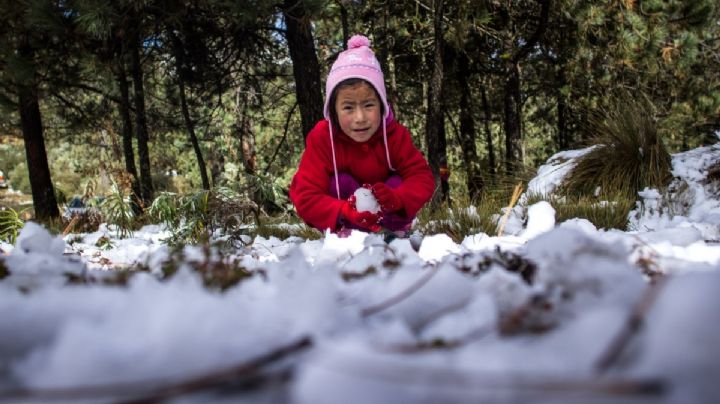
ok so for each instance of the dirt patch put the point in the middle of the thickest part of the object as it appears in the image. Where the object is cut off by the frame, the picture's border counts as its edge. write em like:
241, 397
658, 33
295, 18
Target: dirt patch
17, 201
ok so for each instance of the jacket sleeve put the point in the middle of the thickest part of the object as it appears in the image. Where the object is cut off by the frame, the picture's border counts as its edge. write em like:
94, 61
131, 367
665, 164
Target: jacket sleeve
310, 185
418, 183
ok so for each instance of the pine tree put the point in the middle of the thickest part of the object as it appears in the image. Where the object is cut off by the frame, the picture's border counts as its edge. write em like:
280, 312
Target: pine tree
24, 53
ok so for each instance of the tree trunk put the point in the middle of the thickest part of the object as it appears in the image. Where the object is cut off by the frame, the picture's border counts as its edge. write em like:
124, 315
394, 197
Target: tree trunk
434, 125
247, 140
512, 99
467, 131
563, 140
217, 168
190, 127
563, 133
344, 23
127, 134
488, 131
43, 192
141, 131
513, 135
306, 68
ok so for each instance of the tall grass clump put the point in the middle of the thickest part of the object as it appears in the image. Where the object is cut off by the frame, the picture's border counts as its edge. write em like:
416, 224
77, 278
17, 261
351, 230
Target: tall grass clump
629, 153
285, 226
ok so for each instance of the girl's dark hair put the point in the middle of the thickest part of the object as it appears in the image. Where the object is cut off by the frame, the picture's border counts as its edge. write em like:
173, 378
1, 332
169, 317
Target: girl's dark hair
349, 83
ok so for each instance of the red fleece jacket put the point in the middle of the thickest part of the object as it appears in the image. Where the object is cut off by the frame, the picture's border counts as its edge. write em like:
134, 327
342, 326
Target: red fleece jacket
366, 162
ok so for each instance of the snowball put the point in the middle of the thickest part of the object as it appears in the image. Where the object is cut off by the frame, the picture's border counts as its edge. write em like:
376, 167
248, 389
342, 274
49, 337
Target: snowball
365, 201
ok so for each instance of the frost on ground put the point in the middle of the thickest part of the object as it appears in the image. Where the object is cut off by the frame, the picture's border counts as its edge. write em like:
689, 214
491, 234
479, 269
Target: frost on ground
544, 314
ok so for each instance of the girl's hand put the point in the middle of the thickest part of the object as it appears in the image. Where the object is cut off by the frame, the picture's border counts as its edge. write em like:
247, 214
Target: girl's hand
364, 220
387, 198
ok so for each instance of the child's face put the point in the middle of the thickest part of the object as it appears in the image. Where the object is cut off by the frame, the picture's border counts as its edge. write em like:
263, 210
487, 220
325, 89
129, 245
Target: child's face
358, 111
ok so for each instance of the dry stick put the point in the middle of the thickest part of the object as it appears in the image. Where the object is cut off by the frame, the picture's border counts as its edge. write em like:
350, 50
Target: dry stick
513, 200
653, 250
369, 311
153, 391
70, 225
632, 326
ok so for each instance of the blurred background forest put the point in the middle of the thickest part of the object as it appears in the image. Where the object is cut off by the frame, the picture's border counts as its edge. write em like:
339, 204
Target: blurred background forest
144, 97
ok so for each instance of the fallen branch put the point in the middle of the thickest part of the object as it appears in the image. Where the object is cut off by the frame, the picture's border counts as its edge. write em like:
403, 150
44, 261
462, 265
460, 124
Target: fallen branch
157, 390
437, 344
632, 325
393, 300
473, 386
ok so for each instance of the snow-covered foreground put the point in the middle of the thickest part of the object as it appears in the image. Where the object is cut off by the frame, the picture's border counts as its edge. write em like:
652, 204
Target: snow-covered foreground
551, 312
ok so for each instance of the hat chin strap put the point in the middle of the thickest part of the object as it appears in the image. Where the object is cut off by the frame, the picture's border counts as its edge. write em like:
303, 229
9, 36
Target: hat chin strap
334, 160
387, 149
332, 147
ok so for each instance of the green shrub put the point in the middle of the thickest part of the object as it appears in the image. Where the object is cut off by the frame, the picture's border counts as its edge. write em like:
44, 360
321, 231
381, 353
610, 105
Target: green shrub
10, 224
184, 216
195, 217
117, 210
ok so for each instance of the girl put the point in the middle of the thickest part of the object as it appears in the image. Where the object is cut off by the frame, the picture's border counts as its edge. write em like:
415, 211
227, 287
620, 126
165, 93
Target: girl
359, 143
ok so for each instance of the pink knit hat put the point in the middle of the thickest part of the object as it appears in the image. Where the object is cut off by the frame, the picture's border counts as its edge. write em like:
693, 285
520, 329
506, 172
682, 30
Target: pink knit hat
357, 62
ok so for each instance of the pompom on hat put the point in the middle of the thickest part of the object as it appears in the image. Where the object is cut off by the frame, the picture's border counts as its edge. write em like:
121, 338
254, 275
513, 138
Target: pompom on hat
358, 61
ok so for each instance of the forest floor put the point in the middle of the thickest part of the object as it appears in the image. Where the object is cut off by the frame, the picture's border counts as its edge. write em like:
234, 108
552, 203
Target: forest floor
16, 200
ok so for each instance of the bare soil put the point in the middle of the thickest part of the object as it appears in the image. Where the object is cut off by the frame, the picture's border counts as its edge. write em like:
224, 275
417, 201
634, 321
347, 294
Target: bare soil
17, 201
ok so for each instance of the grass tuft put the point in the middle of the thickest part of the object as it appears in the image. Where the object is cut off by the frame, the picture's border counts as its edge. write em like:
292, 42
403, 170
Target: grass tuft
611, 214
629, 156
463, 219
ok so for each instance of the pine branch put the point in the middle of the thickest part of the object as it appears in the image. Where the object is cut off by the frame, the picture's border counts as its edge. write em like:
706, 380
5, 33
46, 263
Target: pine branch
542, 26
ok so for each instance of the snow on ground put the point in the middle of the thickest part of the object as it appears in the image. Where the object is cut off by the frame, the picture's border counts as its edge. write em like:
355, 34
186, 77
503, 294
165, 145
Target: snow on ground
532, 316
